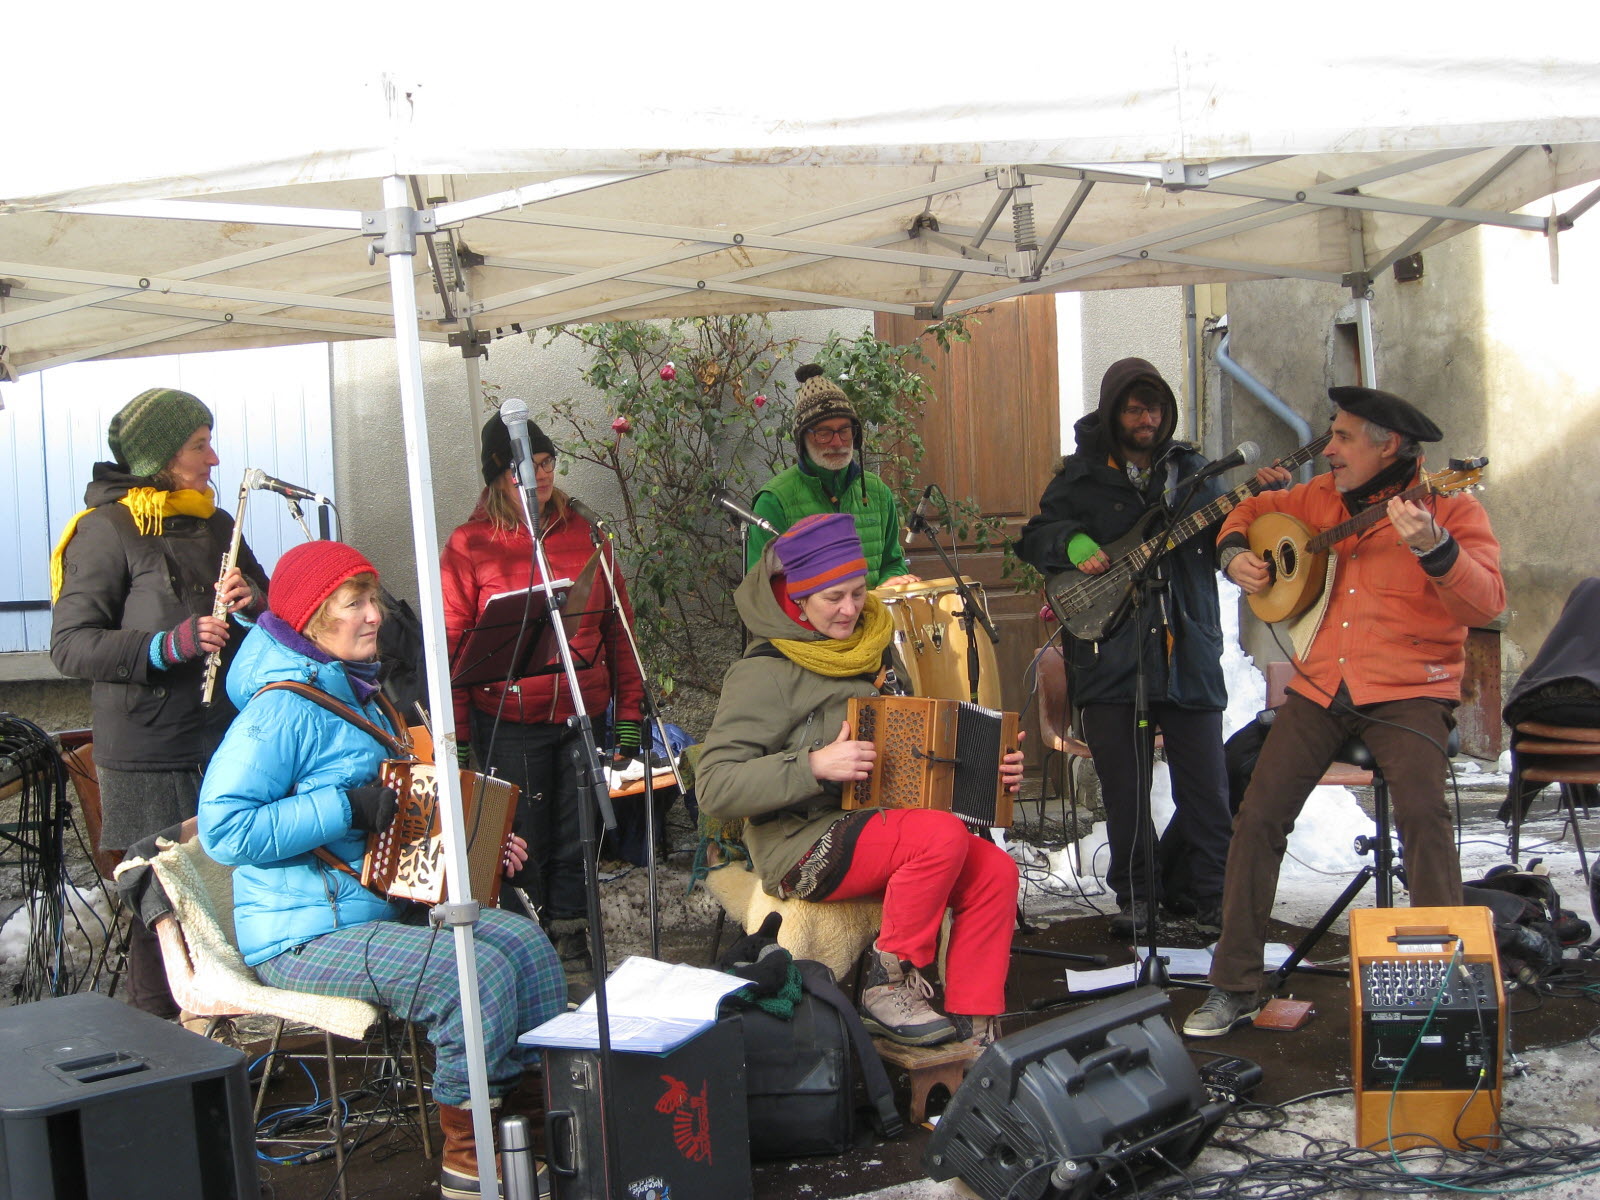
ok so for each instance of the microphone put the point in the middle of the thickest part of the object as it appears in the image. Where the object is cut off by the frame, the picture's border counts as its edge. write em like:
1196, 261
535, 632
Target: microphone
1244, 454
599, 528
725, 500
514, 413
919, 515
256, 478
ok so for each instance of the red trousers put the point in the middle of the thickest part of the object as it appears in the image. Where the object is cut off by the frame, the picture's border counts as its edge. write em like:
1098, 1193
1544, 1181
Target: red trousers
921, 862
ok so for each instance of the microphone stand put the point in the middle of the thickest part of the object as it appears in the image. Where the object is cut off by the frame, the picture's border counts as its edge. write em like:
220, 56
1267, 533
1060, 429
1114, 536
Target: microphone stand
591, 785
603, 535
1145, 581
971, 612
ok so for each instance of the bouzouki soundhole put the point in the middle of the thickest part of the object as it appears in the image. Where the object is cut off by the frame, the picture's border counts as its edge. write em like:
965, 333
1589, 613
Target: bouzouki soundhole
1286, 558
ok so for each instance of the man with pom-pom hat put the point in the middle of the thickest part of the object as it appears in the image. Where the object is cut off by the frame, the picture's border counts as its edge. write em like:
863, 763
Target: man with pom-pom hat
829, 478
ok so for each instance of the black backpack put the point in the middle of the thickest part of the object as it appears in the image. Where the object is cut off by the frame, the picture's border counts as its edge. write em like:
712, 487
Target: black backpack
1530, 926
800, 1074
405, 675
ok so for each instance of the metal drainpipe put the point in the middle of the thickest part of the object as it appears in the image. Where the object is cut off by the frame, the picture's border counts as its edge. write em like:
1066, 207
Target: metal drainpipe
1191, 350
1269, 401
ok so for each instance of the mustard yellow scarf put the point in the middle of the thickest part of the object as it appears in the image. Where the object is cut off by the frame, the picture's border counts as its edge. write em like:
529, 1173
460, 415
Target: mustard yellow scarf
150, 508
859, 654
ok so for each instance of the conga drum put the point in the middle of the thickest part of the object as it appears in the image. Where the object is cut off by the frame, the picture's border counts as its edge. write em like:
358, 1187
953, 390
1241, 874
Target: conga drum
930, 646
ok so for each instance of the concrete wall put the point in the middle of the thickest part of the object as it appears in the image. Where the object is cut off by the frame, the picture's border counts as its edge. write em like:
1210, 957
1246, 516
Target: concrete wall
370, 447
1501, 357
1139, 322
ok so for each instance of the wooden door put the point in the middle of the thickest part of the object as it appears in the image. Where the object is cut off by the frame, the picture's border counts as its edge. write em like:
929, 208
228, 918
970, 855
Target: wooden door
992, 433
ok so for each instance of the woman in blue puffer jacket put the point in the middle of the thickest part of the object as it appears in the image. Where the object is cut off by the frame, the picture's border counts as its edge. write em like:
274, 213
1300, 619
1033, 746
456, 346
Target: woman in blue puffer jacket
292, 778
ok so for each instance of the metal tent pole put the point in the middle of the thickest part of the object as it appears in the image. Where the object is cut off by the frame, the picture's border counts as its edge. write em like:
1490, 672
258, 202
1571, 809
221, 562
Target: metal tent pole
401, 222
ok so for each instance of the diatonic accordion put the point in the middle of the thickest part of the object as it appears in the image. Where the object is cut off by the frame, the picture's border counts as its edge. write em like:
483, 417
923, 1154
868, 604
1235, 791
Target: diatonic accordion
407, 860
933, 753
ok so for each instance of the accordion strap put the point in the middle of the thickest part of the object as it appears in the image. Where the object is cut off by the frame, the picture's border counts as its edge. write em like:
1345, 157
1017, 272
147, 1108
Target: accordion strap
396, 747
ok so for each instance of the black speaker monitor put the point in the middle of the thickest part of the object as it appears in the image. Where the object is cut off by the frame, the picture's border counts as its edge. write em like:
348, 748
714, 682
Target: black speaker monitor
99, 1101
1080, 1106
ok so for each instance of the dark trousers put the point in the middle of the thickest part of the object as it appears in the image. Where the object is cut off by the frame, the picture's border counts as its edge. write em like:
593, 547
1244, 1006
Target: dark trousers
1304, 738
147, 973
1193, 741
536, 759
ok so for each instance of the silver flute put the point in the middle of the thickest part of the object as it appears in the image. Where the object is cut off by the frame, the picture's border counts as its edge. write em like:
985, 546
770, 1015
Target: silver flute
219, 606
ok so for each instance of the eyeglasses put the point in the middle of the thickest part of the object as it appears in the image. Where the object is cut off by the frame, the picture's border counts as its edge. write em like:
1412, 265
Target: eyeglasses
544, 464
1138, 412
843, 433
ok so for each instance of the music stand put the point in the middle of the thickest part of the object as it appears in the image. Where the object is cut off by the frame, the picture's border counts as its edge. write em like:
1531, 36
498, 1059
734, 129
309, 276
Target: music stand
512, 628
515, 638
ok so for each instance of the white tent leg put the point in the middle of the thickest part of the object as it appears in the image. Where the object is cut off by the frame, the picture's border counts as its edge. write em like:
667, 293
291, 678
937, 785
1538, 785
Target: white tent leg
1366, 354
400, 248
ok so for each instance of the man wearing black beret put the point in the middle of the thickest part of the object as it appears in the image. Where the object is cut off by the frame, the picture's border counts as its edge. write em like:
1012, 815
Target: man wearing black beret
1384, 663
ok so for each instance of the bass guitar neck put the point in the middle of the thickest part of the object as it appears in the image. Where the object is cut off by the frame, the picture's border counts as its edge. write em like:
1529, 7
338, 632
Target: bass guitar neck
1090, 607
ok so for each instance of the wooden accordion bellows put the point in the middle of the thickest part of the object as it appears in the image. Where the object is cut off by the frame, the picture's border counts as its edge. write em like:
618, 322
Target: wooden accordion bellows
407, 860
933, 753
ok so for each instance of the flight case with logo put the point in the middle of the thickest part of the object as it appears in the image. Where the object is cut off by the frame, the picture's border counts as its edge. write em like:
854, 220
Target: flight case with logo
681, 1126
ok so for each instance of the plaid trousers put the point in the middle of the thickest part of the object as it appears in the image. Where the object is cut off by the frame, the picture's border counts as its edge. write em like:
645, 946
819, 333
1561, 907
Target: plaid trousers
411, 970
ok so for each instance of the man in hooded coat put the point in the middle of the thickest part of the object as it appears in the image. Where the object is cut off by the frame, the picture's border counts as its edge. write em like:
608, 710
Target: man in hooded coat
1127, 464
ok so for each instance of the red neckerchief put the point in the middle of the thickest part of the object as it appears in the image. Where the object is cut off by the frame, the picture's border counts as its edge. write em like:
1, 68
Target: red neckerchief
781, 595
1382, 487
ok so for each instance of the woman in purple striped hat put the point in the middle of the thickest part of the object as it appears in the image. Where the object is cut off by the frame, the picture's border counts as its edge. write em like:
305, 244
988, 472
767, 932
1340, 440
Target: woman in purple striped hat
778, 754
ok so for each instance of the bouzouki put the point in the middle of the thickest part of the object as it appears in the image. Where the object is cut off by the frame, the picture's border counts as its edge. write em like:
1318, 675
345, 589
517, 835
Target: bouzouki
1090, 606
1297, 558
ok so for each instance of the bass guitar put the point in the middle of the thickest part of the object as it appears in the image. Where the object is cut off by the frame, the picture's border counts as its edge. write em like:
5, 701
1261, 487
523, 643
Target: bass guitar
1297, 559
1090, 606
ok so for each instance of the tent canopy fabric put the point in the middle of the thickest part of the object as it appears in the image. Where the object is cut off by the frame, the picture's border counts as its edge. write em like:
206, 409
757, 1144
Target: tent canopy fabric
172, 183
557, 195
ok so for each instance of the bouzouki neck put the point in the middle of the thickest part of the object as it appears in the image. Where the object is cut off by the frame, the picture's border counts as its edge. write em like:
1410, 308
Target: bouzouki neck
1224, 504
1444, 483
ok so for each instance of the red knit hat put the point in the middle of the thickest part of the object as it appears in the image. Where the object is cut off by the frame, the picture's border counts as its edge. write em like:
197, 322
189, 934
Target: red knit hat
308, 574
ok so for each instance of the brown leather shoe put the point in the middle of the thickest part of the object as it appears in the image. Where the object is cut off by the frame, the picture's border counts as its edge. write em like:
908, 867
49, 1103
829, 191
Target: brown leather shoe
458, 1172
528, 1101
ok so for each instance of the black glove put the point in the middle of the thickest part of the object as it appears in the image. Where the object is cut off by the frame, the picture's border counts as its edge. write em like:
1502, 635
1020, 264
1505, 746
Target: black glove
372, 808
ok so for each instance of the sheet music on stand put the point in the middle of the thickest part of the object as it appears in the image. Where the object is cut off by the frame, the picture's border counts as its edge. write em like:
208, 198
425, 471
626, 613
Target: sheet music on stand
513, 638
512, 632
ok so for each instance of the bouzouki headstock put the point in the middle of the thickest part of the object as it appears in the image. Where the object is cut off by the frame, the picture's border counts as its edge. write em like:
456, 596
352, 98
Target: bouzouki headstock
1463, 474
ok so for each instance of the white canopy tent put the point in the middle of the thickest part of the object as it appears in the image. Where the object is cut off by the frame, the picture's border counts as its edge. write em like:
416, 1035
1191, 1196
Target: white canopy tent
678, 166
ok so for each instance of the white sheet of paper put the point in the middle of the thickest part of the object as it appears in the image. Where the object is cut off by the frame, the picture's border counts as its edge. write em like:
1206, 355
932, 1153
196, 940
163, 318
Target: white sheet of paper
1106, 977
1182, 961
645, 987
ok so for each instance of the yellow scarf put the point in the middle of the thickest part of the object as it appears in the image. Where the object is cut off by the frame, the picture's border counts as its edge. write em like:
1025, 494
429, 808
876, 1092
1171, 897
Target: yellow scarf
150, 508
859, 654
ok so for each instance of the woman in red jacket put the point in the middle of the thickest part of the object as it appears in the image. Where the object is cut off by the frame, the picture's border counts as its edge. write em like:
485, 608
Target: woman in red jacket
518, 728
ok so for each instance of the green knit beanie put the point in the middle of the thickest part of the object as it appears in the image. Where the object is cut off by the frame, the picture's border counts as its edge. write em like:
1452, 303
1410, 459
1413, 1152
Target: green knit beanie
152, 428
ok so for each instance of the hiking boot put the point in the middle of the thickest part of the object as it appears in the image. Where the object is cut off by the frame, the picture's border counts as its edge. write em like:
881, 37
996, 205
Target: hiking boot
980, 1032
1208, 919
1220, 1012
895, 1003
1132, 920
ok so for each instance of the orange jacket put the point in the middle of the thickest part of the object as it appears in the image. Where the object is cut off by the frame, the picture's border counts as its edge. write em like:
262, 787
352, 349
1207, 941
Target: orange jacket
1392, 631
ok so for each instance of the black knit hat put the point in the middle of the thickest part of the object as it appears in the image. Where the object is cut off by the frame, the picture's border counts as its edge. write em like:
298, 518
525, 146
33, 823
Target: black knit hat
1388, 410
496, 446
